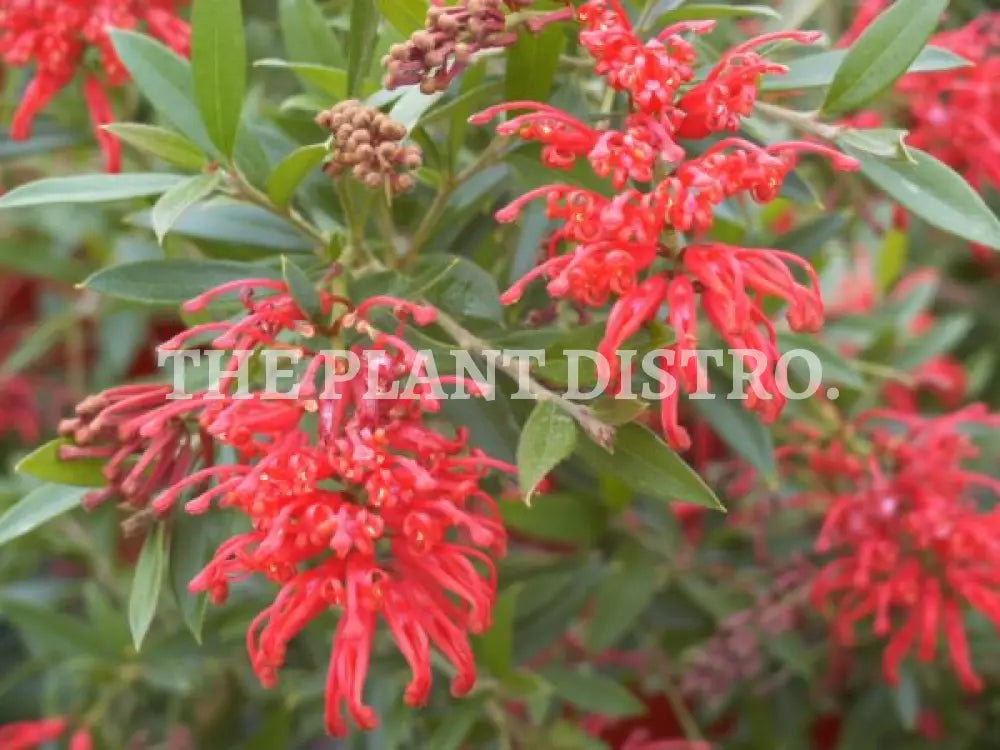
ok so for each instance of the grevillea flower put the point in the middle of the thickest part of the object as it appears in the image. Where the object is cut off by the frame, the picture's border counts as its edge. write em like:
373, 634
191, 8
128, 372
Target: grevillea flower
29, 735
906, 540
624, 249
57, 37
355, 503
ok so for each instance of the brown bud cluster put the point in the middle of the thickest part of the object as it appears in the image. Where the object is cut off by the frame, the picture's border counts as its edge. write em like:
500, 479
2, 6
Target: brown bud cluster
368, 143
735, 653
437, 53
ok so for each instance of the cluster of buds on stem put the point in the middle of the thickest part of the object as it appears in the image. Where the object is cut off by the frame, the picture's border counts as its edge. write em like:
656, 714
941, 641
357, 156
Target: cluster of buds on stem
369, 144
433, 56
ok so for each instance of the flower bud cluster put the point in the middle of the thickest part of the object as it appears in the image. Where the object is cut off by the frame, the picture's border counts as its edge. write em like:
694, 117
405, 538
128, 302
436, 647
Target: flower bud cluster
369, 144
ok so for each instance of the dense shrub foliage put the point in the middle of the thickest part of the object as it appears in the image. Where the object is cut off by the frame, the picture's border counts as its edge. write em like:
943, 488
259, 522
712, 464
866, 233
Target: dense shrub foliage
299, 449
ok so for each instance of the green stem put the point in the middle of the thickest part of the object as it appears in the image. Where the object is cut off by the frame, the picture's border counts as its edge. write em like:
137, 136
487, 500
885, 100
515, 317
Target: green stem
807, 122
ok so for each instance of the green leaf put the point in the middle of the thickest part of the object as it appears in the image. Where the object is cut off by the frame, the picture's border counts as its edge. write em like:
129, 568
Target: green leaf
532, 63
190, 549
236, 224
331, 81
302, 289
452, 733
948, 333
219, 67
56, 634
495, 647
809, 238
592, 692
645, 463
44, 463
406, 16
884, 142
39, 339
171, 281
882, 54
556, 517
38, 507
293, 169
621, 599
164, 78
934, 192
146, 584
817, 71
548, 438
164, 144
173, 203
741, 429
412, 105
697, 12
891, 258
360, 43
306, 33
456, 285
89, 188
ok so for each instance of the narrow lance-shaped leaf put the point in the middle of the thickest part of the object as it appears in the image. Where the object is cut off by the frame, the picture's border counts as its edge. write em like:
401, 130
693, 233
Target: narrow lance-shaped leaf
89, 188
882, 54
44, 463
360, 43
302, 289
934, 192
171, 281
306, 34
165, 144
331, 81
165, 80
218, 61
38, 507
173, 203
294, 168
406, 16
532, 63
147, 583
548, 438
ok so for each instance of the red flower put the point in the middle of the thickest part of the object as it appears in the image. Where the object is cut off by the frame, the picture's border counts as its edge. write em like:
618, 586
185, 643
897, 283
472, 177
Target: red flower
908, 543
354, 502
623, 246
56, 35
27, 735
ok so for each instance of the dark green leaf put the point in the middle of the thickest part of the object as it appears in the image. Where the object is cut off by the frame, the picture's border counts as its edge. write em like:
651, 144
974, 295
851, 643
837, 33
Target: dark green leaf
646, 464
457, 285
40, 339
236, 224
936, 193
836, 368
406, 16
190, 548
147, 583
360, 43
809, 238
411, 107
548, 438
592, 692
883, 53
941, 339
556, 517
621, 599
302, 289
741, 429
165, 79
88, 188
452, 733
54, 633
289, 174
496, 646
219, 67
817, 71
306, 33
44, 463
165, 144
532, 63
907, 699
171, 281
891, 258
173, 203
38, 507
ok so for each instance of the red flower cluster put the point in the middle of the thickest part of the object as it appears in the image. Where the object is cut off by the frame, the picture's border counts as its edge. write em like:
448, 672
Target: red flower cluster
57, 36
29, 735
907, 541
607, 246
354, 502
